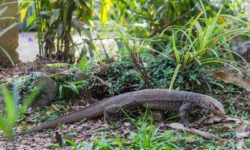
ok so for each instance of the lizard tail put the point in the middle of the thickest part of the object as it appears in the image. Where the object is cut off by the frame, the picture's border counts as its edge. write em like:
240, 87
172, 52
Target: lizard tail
69, 118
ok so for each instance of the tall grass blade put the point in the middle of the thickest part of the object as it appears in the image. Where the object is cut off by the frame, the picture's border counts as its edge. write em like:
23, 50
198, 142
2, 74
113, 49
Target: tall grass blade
28, 101
177, 55
174, 76
10, 106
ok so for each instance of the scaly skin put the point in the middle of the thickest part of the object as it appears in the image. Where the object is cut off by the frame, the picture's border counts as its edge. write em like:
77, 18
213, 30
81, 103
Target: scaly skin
157, 99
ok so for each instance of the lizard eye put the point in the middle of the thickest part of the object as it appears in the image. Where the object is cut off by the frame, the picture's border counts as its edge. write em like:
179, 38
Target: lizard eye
212, 107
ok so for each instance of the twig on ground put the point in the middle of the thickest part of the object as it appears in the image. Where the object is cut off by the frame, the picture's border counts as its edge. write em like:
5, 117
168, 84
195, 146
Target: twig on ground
207, 135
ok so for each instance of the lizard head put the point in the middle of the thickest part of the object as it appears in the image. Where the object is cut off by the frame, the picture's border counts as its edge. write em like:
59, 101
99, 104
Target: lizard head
213, 105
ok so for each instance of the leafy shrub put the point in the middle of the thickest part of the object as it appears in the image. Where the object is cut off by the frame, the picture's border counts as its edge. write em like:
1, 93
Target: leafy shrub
124, 76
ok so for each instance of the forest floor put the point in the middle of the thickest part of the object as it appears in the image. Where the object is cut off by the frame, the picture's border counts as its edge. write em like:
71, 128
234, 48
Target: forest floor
124, 131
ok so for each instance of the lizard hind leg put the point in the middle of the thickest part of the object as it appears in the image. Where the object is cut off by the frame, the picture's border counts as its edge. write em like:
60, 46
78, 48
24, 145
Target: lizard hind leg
183, 110
158, 115
111, 110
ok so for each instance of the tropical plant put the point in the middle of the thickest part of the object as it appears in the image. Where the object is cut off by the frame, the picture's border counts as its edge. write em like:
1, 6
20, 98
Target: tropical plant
144, 18
204, 41
201, 41
55, 21
13, 112
7, 29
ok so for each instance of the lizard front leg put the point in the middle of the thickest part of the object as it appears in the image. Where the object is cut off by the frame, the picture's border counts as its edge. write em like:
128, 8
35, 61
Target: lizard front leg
183, 110
111, 110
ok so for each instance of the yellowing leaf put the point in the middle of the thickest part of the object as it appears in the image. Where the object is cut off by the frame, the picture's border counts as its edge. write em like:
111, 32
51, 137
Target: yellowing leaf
221, 19
96, 49
105, 9
23, 15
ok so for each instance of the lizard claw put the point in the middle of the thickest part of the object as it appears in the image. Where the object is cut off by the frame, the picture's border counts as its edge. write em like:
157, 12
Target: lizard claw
193, 125
106, 118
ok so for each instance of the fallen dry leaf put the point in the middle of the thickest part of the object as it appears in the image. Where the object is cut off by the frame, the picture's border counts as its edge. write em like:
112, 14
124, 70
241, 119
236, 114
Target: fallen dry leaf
227, 126
83, 137
235, 120
179, 126
211, 120
127, 124
242, 134
54, 107
59, 139
240, 144
243, 131
233, 78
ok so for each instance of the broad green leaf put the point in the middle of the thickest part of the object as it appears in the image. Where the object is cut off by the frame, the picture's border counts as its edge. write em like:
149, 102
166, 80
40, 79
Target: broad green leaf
77, 25
45, 14
60, 29
31, 19
83, 63
55, 16
72, 87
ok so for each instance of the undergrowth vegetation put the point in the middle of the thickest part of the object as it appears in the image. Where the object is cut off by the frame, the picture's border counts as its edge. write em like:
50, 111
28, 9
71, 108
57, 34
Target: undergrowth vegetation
147, 134
181, 57
160, 44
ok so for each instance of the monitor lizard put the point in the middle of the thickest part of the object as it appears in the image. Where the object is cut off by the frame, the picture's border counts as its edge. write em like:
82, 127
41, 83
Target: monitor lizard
156, 99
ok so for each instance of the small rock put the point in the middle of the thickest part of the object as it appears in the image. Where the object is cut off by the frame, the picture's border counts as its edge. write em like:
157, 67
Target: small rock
25, 84
49, 89
127, 124
243, 49
227, 126
75, 74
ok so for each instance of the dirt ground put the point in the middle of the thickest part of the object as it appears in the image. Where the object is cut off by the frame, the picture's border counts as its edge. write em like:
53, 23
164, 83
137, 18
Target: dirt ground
85, 129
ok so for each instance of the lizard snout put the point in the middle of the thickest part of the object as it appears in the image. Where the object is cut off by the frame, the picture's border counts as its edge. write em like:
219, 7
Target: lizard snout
214, 105
217, 108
